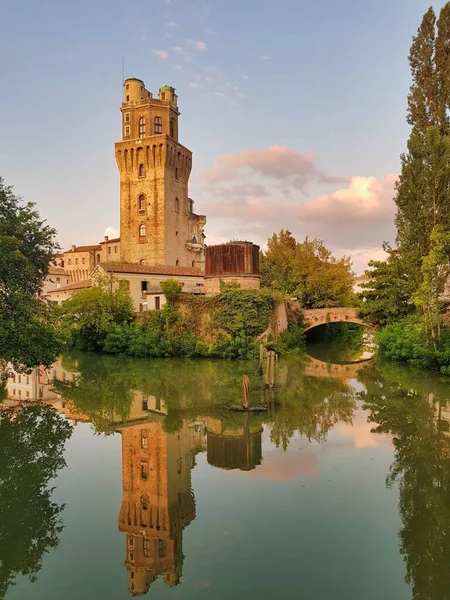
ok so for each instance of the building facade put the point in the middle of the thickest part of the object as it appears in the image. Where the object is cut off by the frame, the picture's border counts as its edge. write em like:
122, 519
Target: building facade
144, 282
158, 225
79, 261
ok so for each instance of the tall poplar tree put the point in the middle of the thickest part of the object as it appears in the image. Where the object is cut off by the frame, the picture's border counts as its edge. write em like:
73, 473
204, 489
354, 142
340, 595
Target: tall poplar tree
423, 190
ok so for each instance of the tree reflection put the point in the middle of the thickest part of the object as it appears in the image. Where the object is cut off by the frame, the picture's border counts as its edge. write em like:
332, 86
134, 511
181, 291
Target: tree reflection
32, 441
411, 405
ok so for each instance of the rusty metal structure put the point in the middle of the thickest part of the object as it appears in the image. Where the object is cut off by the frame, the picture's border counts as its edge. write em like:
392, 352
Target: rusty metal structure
234, 258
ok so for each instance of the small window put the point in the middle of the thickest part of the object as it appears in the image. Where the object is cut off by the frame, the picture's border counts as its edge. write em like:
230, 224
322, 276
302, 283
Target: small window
158, 125
172, 128
128, 86
76, 261
144, 287
142, 231
176, 173
142, 127
115, 249
141, 203
28, 380
177, 263
162, 548
127, 130
20, 392
128, 98
179, 465
28, 394
20, 378
193, 263
163, 96
144, 439
177, 205
127, 117
83, 260
109, 249
144, 469
144, 502
146, 546
41, 392
141, 170
70, 261
157, 302
98, 258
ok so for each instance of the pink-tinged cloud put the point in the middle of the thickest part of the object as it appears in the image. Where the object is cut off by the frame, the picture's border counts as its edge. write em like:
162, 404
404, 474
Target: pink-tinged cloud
276, 162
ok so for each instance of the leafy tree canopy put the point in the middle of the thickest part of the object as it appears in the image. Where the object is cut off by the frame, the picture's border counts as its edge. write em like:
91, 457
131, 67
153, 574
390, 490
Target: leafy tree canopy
307, 270
27, 246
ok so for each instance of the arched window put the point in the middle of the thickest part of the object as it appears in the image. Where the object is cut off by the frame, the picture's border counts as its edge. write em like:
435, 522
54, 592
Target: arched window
176, 172
142, 230
142, 127
177, 205
141, 170
172, 128
141, 203
193, 263
178, 263
158, 125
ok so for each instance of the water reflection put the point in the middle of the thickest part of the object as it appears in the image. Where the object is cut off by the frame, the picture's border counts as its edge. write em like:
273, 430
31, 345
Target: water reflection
32, 440
169, 411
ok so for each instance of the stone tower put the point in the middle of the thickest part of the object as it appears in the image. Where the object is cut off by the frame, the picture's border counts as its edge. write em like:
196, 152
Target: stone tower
157, 223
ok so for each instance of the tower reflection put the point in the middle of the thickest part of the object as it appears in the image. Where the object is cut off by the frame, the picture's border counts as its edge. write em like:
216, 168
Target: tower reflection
158, 501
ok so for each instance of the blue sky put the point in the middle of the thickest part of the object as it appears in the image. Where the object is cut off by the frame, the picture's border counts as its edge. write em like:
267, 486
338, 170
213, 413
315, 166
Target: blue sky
295, 110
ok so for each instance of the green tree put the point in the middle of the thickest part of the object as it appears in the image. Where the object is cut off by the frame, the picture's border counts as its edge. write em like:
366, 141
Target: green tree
386, 297
172, 290
307, 270
32, 441
92, 313
27, 247
424, 185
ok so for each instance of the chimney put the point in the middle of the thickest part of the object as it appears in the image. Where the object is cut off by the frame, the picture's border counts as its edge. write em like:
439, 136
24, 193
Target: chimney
73, 248
106, 238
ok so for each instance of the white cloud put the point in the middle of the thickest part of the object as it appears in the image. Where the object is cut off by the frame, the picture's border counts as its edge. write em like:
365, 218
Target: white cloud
245, 77
160, 53
266, 57
172, 24
182, 52
193, 84
197, 44
111, 232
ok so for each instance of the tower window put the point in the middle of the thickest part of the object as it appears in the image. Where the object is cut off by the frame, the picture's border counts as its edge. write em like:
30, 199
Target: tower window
141, 203
176, 172
98, 258
128, 86
177, 205
83, 260
141, 170
177, 263
128, 98
193, 263
141, 126
158, 125
127, 130
142, 231
146, 546
109, 249
172, 129
144, 469
127, 117
115, 249
144, 439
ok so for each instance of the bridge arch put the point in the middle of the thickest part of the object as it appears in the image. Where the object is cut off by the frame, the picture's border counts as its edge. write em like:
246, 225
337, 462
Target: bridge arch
313, 317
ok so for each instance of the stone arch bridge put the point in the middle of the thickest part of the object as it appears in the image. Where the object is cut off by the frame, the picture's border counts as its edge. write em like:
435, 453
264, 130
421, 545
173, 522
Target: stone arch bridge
314, 317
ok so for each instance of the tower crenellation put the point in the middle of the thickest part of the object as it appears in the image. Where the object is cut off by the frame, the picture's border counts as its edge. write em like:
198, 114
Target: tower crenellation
157, 222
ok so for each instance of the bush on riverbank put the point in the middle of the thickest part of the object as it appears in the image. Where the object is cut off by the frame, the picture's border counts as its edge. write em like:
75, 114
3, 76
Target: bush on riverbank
223, 326
406, 341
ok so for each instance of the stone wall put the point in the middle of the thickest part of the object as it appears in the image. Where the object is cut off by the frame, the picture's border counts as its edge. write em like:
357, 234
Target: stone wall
246, 282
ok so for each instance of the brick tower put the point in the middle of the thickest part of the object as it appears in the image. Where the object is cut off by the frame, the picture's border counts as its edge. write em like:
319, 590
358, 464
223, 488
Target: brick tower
157, 223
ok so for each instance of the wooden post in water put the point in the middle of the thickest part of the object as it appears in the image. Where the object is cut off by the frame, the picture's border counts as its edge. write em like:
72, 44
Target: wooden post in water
245, 391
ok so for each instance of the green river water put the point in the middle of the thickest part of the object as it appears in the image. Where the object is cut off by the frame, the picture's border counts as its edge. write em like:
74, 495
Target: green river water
144, 482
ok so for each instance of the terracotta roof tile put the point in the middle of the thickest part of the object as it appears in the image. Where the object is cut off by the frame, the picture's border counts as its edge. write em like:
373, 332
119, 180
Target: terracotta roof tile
52, 270
76, 285
110, 241
150, 269
84, 249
